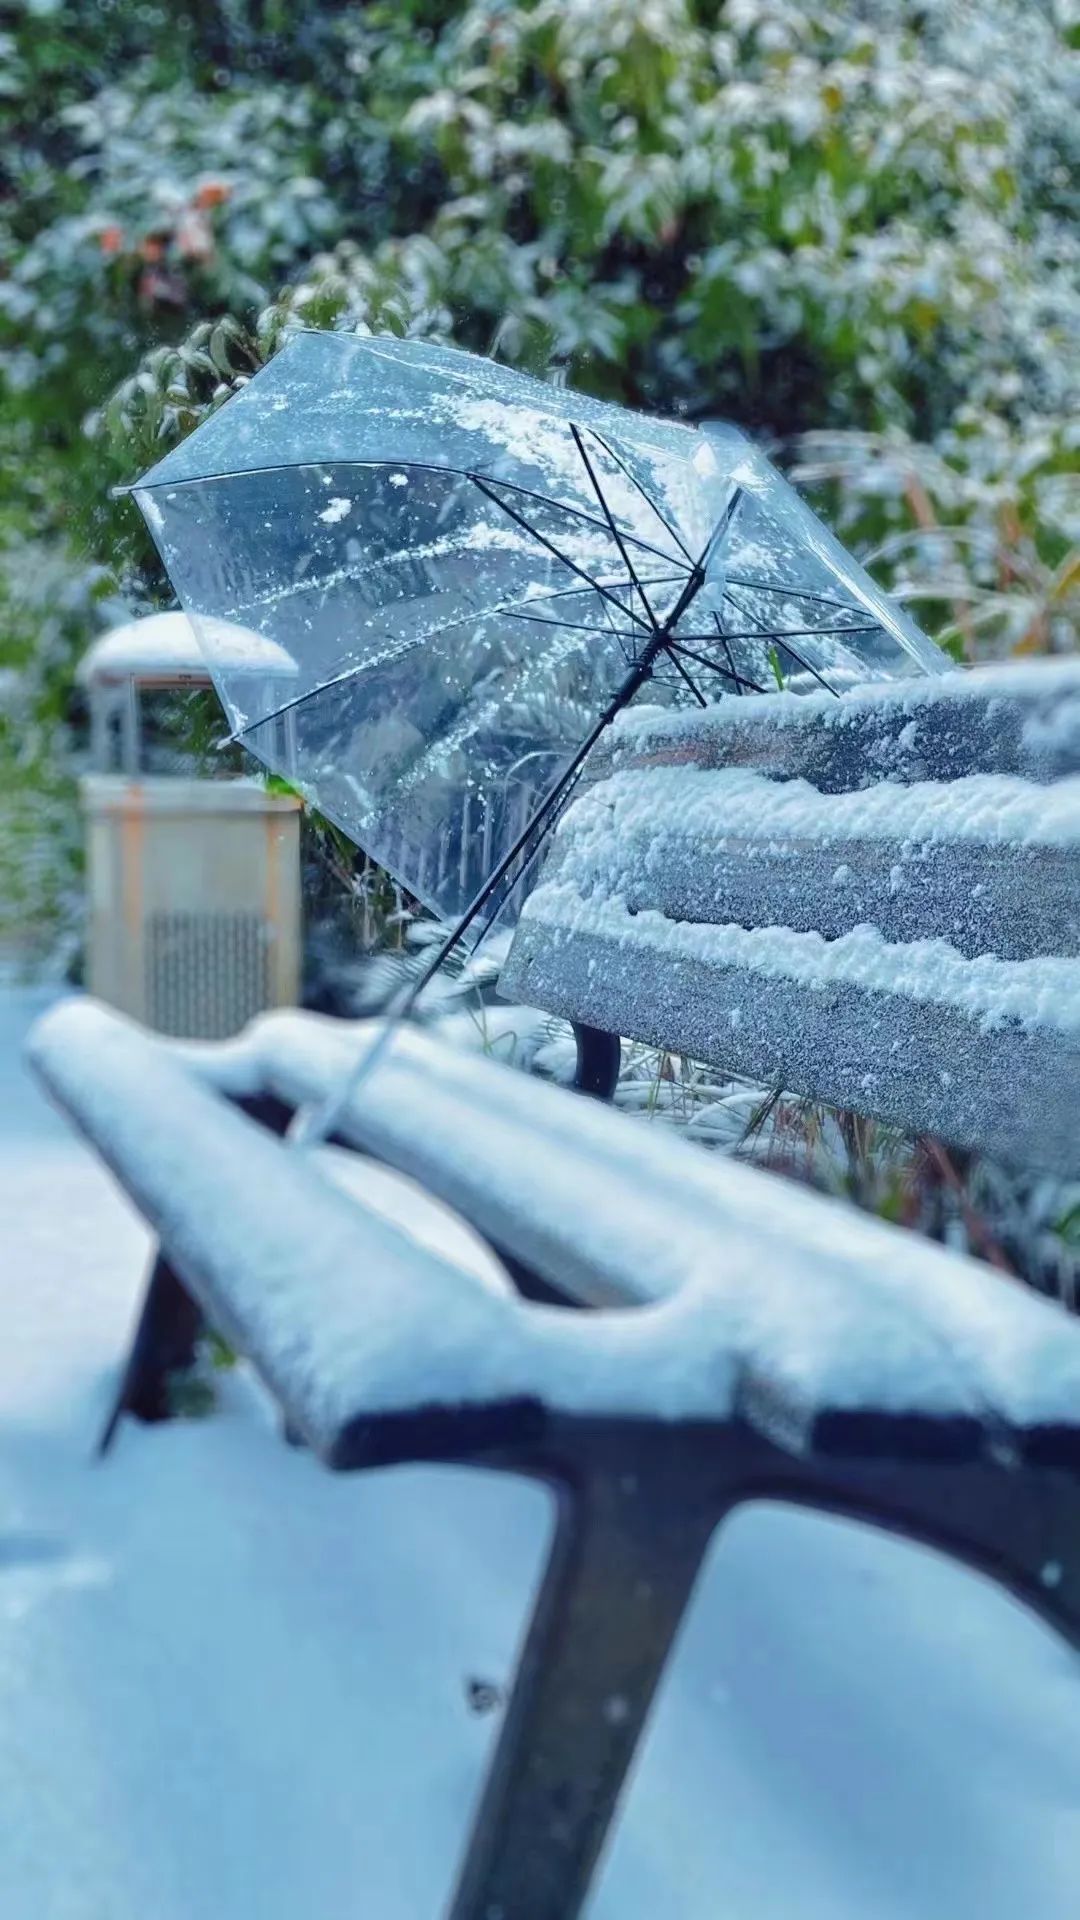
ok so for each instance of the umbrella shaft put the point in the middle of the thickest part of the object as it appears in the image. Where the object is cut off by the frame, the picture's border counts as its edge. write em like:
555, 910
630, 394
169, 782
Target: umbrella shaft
635, 679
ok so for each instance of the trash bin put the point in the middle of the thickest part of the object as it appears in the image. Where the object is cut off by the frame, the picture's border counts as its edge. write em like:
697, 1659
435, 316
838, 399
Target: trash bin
193, 879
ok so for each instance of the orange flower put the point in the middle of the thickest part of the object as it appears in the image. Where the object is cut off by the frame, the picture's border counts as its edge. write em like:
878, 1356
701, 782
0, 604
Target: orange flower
153, 247
211, 194
111, 239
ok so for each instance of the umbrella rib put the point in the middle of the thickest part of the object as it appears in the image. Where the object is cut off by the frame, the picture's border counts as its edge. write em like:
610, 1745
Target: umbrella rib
479, 481
795, 593
787, 633
729, 656
298, 700
689, 679
616, 636
574, 626
567, 593
720, 529
594, 586
615, 533
578, 513
490, 613
725, 673
807, 668
404, 466
797, 657
650, 502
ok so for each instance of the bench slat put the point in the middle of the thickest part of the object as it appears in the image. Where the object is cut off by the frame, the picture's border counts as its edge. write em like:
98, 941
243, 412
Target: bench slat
856, 1324
335, 1308
1022, 720
815, 1324
990, 864
782, 1012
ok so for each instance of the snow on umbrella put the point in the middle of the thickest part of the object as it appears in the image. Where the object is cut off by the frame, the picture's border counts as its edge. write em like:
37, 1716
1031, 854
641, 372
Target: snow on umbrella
472, 571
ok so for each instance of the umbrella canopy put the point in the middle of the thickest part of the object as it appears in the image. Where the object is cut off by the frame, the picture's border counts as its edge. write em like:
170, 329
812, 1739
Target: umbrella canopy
470, 570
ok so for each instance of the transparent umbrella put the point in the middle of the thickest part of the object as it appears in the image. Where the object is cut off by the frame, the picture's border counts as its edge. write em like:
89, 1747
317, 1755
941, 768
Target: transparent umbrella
472, 572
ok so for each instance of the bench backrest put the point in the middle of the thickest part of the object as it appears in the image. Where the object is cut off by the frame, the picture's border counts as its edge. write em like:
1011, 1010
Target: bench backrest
871, 901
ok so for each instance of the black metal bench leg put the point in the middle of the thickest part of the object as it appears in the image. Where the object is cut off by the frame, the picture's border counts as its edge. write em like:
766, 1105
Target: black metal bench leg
599, 1057
628, 1546
165, 1341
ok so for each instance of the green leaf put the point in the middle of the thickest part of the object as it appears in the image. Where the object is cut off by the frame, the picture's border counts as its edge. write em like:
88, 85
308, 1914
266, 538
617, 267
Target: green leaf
1069, 1226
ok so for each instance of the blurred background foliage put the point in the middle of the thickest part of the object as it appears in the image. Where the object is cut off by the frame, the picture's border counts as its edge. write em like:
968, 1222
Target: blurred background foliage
851, 227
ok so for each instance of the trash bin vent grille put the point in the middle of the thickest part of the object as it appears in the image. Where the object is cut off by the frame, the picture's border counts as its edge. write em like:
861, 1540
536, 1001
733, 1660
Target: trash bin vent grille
193, 896
207, 973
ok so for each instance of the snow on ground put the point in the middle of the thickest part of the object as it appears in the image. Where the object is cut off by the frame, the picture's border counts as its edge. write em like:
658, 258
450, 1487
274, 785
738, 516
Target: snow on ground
232, 1685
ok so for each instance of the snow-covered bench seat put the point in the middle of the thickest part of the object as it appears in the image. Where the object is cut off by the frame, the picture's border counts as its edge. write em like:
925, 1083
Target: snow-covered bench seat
746, 1340
871, 901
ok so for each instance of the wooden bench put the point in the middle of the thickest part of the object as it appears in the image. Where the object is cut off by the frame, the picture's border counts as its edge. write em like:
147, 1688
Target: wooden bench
745, 1340
871, 902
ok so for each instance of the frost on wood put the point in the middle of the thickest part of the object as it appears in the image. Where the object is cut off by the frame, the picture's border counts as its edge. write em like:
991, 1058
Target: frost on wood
988, 862
779, 1276
1018, 719
992, 993
982, 1052
712, 805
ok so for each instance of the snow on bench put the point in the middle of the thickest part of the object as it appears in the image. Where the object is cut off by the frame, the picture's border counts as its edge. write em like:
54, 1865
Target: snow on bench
1010, 719
959, 860
767, 1344
339, 1313
872, 901
760, 1296
603, 1212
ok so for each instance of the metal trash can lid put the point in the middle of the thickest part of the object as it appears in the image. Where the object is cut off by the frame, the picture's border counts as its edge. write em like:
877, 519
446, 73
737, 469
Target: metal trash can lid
162, 649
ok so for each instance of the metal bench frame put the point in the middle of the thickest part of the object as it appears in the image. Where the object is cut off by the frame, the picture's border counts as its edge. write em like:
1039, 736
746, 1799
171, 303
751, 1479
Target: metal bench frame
639, 1501
638, 1504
